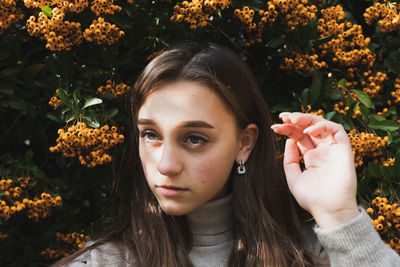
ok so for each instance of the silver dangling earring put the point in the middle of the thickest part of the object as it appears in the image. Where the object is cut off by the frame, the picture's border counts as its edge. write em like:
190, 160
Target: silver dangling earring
241, 168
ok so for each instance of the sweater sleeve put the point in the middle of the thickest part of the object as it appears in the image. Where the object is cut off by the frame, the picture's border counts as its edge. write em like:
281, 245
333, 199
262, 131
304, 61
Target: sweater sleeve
356, 243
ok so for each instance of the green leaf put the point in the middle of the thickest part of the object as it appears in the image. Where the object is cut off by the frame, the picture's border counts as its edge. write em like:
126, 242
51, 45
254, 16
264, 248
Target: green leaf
109, 95
374, 118
275, 42
396, 166
47, 11
387, 173
9, 72
347, 123
92, 102
53, 117
390, 138
364, 98
91, 122
75, 106
374, 169
315, 89
305, 97
334, 94
28, 156
386, 190
392, 64
2, 193
112, 112
76, 94
321, 40
364, 111
352, 108
342, 84
64, 97
386, 125
330, 115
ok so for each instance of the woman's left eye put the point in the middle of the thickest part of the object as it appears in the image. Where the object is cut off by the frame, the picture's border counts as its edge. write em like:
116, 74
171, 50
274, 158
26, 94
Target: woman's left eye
196, 140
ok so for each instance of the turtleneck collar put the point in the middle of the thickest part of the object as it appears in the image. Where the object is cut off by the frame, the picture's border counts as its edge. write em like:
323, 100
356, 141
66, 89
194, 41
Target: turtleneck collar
211, 223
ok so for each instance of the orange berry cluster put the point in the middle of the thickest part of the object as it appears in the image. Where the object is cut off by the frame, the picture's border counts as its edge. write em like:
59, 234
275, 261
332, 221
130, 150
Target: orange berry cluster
353, 57
13, 193
59, 34
102, 32
342, 109
297, 12
365, 145
3, 236
303, 63
197, 12
52, 254
72, 242
55, 101
75, 6
388, 218
10, 202
349, 46
40, 208
254, 30
87, 143
386, 162
152, 55
319, 112
115, 89
105, 7
374, 84
9, 14
396, 94
390, 18
382, 113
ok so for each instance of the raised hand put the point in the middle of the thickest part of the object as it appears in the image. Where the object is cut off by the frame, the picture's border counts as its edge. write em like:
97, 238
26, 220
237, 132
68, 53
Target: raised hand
327, 187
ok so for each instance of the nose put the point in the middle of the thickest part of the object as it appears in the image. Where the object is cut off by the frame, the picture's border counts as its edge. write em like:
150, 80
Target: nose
170, 164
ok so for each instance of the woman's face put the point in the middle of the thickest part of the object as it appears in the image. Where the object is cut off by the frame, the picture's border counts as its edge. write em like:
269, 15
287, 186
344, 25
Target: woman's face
188, 145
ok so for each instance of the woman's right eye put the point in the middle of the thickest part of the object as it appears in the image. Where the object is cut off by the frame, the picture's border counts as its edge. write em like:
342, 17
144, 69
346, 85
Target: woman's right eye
148, 136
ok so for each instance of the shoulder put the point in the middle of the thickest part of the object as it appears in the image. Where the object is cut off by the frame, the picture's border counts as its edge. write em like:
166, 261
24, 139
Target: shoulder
108, 254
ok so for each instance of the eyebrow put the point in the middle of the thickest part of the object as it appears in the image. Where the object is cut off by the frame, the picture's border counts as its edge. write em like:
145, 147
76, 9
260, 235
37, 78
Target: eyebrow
184, 124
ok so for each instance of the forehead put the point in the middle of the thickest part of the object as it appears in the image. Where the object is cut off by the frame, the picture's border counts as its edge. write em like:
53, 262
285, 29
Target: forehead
185, 100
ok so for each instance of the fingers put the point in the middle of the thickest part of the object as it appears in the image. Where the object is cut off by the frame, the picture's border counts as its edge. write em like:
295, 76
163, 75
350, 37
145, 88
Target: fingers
326, 128
292, 131
291, 163
314, 126
303, 120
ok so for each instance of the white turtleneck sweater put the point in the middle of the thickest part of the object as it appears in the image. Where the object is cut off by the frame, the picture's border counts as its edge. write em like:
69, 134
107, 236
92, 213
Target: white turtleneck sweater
355, 243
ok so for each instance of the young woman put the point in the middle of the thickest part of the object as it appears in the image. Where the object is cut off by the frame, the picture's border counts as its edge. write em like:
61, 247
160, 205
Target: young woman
203, 185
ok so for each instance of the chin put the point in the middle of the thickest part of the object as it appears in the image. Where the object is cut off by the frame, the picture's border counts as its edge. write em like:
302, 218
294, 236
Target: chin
174, 210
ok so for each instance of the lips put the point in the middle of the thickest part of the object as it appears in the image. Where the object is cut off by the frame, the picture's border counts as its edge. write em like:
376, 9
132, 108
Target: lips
170, 190
172, 187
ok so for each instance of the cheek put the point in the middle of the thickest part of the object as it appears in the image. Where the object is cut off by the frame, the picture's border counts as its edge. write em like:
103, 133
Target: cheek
146, 161
213, 169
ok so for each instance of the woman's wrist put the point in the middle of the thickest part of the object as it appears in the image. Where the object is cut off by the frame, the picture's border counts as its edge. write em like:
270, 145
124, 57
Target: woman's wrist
328, 220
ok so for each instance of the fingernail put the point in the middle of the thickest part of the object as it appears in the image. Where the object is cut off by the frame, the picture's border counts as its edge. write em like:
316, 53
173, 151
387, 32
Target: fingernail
283, 114
274, 125
309, 129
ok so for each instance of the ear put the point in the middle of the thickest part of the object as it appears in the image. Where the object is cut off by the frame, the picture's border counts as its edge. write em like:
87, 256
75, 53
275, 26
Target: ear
247, 140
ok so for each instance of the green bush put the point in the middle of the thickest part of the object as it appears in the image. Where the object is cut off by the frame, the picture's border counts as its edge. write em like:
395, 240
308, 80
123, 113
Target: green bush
336, 59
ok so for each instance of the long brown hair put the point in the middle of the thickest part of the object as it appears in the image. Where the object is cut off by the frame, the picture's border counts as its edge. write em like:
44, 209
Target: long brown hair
267, 229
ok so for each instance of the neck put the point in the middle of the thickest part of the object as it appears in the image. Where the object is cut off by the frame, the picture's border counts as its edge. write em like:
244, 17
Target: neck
212, 223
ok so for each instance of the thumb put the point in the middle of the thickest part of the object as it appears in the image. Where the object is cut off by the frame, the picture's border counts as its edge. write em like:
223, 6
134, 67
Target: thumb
291, 162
